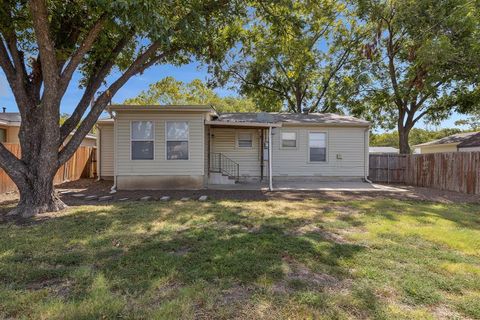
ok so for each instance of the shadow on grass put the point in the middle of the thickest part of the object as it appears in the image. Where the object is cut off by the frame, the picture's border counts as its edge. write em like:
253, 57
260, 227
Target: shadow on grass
133, 245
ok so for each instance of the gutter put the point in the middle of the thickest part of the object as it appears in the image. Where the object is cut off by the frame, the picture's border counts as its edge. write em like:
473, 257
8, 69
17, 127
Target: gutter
366, 144
114, 187
99, 134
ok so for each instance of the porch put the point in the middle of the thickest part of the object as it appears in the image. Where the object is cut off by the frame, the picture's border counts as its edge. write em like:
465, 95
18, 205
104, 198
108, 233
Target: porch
239, 155
339, 186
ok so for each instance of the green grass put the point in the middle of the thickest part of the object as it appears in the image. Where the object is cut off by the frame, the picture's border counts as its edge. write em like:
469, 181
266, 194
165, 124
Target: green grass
275, 259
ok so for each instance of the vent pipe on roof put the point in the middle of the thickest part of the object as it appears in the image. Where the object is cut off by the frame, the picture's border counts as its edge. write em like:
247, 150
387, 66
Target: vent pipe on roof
4, 109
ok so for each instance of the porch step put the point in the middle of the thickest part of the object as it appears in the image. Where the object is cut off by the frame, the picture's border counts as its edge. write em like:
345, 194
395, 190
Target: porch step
219, 178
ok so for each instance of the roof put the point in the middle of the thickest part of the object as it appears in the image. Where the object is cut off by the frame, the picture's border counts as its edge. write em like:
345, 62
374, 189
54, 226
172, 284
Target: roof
10, 118
131, 107
290, 118
472, 141
452, 139
383, 150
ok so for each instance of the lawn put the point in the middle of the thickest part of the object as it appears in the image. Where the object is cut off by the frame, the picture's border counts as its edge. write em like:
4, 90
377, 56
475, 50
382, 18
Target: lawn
274, 259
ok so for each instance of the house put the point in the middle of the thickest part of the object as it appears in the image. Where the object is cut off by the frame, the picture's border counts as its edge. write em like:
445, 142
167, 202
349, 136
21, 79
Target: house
462, 142
190, 147
10, 126
383, 150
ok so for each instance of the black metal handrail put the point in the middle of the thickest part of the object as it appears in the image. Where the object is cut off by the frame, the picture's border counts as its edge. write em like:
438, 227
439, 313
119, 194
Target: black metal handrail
223, 164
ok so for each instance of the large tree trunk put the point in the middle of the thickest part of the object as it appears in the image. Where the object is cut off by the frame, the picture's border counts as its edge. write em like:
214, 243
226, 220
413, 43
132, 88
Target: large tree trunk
403, 134
37, 195
39, 136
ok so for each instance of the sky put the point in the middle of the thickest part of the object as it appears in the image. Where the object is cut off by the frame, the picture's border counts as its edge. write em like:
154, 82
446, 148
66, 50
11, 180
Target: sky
135, 85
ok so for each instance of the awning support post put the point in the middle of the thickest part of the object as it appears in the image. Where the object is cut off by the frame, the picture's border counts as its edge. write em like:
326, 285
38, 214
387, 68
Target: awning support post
270, 158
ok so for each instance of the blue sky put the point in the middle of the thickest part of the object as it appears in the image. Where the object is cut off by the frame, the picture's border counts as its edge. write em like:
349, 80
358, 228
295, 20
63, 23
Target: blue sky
138, 83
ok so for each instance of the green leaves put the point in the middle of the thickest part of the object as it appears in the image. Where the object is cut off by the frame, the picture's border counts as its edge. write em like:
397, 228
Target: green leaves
170, 91
292, 53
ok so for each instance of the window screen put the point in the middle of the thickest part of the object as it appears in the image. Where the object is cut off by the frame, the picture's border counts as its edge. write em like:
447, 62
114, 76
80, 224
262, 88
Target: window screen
3, 135
289, 139
177, 140
142, 138
244, 140
317, 146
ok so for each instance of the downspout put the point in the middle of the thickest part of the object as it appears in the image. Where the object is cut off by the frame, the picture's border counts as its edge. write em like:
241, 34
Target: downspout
270, 178
366, 159
114, 187
99, 134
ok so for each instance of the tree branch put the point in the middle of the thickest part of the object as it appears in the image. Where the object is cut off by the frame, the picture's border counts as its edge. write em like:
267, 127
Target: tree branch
6, 63
46, 46
143, 61
92, 86
78, 55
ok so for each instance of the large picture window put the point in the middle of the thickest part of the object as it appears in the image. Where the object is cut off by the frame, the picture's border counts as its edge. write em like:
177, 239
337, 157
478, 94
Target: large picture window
177, 140
289, 139
317, 146
142, 140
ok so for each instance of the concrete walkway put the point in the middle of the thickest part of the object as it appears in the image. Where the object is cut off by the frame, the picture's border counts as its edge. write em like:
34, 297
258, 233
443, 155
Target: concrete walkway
309, 186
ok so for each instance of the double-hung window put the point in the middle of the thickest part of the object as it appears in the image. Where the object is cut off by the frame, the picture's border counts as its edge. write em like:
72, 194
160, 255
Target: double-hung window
289, 139
244, 140
317, 143
177, 140
142, 140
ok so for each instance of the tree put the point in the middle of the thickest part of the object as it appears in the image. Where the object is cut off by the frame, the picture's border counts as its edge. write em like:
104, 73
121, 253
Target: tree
44, 42
292, 54
417, 136
473, 122
422, 63
171, 91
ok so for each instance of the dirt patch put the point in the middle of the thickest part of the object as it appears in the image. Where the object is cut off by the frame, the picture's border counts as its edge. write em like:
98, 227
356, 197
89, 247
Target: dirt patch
327, 235
90, 187
299, 274
99, 188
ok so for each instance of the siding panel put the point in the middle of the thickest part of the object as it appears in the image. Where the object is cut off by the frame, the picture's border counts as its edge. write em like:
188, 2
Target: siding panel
160, 166
348, 143
106, 151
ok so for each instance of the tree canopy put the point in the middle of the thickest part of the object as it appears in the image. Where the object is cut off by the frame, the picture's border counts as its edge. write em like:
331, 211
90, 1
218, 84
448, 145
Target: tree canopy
291, 54
171, 91
421, 61
44, 42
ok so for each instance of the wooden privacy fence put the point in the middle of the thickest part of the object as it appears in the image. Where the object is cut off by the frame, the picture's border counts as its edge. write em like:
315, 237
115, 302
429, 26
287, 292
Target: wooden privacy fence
81, 165
454, 171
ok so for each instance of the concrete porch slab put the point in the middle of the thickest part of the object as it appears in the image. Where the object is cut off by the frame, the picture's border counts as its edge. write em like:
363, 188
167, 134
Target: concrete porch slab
310, 186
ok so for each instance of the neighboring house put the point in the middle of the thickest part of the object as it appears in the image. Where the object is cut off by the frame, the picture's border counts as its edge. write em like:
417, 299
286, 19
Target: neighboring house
466, 141
10, 126
189, 147
383, 150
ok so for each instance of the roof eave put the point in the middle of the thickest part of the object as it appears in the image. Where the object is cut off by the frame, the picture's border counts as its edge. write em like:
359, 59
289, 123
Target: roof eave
161, 108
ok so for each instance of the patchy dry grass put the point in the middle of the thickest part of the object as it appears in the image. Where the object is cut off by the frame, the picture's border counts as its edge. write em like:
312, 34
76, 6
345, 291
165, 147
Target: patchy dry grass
384, 259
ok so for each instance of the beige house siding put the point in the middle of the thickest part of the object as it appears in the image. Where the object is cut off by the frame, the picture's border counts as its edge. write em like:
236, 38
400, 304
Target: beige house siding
345, 143
159, 166
12, 137
469, 149
11, 134
106, 150
438, 148
224, 140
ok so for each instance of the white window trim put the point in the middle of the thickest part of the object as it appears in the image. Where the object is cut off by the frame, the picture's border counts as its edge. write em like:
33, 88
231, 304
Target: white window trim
131, 139
238, 132
326, 147
166, 139
296, 140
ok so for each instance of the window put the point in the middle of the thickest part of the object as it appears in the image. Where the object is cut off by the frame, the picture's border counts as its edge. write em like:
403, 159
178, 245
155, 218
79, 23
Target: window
3, 135
289, 139
177, 140
142, 139
317, 146
244, 140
